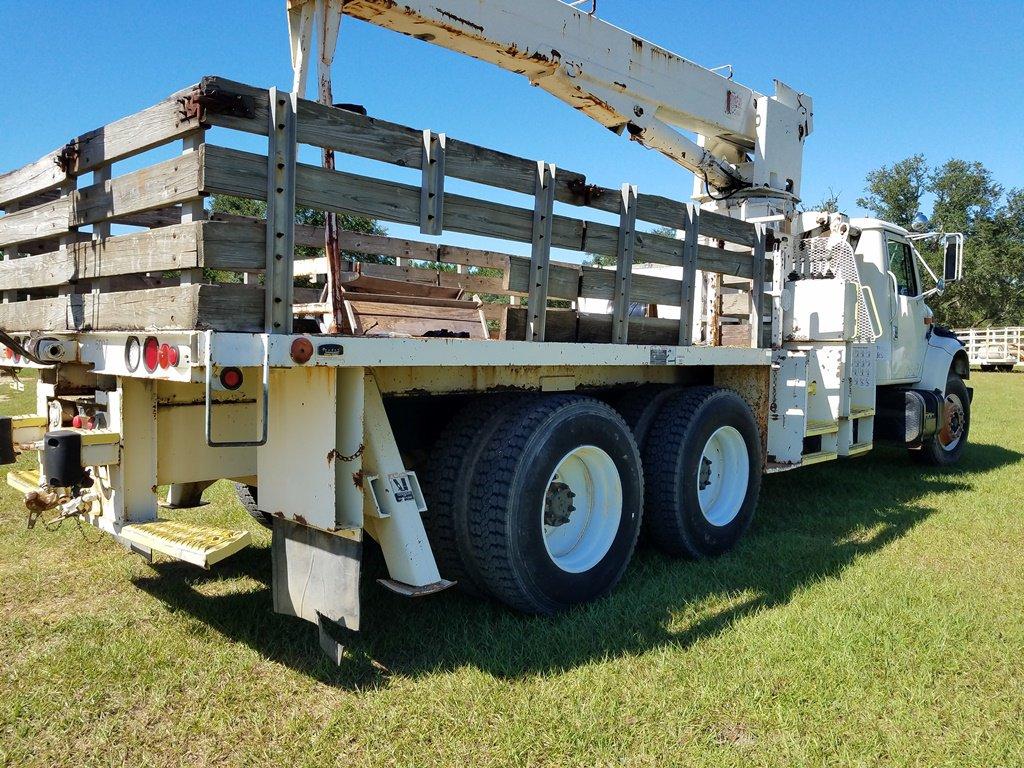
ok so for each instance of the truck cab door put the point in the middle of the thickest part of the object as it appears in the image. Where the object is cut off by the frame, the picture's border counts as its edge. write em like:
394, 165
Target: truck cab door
906, 311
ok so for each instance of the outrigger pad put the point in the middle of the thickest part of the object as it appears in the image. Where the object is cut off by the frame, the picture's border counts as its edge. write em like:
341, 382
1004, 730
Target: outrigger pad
316, 575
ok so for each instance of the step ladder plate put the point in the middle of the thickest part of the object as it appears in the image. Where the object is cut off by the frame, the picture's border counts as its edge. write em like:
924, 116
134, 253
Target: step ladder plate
201, 545
821, 427
818, 458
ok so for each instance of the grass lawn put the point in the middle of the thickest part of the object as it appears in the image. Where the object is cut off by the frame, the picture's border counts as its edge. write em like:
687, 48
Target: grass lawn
872, 616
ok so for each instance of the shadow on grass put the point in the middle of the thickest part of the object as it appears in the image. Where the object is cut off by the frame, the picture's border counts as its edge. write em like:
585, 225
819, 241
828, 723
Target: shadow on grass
810, 526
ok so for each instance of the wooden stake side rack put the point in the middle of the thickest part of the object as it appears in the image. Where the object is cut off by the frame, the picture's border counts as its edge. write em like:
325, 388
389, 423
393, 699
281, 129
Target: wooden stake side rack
64, 271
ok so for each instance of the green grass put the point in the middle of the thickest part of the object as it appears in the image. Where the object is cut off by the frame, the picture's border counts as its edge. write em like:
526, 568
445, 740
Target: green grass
871, 617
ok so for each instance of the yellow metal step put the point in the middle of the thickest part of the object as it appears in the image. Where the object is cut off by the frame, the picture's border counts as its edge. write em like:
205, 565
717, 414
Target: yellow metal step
202, 545
24, 481
817, 458
821, 427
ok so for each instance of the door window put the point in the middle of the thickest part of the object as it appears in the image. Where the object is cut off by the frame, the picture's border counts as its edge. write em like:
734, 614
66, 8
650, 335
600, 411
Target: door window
901, 264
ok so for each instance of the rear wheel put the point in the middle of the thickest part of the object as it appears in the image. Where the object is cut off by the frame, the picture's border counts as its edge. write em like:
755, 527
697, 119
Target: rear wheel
702, 468
946, 446
446, 487
556, 504
639, 407
248, 496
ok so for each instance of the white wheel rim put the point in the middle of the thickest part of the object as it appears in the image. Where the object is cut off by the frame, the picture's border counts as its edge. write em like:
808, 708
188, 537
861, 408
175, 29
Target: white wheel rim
722, 476
582, 509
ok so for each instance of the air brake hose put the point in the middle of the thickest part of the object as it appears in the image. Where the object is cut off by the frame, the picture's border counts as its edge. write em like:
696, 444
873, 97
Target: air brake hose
19, 349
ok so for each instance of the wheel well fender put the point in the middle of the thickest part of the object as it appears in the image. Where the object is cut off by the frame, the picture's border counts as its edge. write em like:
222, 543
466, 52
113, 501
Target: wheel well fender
961, 364
942, 356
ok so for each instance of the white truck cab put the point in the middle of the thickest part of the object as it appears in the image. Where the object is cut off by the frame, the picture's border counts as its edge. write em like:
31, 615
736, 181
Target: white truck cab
890, 268
857, 294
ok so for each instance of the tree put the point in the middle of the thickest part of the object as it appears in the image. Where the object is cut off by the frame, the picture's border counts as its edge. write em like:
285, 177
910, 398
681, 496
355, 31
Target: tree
828, 204
964, 194
968, 200
992, 291
894, 194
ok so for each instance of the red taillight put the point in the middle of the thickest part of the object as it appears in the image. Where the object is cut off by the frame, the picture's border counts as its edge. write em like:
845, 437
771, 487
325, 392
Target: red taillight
151, 353
77, 421
231, 378
168, 356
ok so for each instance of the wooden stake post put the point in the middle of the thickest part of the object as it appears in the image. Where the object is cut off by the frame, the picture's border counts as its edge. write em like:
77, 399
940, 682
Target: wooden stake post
540, 255
624, 264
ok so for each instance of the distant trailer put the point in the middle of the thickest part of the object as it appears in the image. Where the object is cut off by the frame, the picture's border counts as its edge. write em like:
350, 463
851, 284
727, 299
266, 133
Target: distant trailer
994, 349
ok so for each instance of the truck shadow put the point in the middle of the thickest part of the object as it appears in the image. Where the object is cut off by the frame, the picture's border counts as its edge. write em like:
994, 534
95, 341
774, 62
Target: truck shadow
810, 526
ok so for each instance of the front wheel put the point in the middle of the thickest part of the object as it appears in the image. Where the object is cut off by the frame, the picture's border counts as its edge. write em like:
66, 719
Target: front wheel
946, 446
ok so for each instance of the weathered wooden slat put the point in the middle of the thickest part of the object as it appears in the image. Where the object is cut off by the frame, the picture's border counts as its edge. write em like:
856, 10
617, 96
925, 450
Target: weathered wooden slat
216, 307
215, 245
344, 131
567, 326
159, 124
415, 320
154, 251
229, 171
739, 334
30, 179
158, 186
563, 279
161, 217
329, 127
599, 283
412, 301
423, 275
233, 246
382, 245
37, 223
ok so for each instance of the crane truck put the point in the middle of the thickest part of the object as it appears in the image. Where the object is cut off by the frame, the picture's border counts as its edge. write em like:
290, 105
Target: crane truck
513, 447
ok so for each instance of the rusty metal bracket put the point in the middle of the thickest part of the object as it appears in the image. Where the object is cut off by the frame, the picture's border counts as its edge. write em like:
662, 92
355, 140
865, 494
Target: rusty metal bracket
589, 192
209, 97
67, 158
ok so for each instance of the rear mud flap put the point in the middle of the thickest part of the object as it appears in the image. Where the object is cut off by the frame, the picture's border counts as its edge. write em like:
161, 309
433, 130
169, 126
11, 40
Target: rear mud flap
316, 577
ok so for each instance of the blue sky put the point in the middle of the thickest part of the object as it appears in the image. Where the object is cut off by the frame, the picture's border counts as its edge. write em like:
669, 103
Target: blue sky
888, 79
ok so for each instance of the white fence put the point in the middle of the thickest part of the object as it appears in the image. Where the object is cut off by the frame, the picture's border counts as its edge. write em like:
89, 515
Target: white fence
998, 347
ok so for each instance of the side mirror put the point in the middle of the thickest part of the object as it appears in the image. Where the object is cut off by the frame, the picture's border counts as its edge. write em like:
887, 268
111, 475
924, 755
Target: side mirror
920, 223
953, 258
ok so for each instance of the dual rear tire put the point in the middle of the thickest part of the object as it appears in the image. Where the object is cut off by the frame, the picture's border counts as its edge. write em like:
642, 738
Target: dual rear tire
538, 501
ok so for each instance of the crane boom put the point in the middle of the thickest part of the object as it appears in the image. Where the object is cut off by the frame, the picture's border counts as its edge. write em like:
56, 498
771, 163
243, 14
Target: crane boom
623, 82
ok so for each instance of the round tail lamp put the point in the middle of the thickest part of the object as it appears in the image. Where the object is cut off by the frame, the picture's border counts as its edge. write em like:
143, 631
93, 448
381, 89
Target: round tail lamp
231, 379
151, 353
